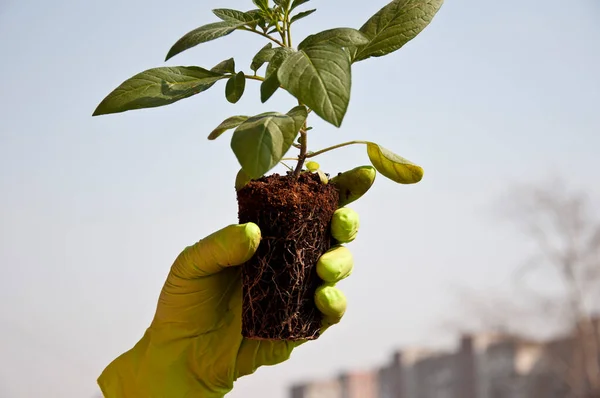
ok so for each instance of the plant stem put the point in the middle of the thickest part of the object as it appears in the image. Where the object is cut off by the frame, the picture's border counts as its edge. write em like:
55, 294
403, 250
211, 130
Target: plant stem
335, 147
280, 30
255, 77
263, 35
288, 167
303, 150
287, 27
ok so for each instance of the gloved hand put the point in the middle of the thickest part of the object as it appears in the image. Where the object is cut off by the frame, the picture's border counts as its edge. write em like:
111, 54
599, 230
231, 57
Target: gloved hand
194, 346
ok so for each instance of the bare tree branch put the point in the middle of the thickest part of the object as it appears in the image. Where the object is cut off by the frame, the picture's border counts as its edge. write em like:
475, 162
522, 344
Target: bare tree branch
566, 239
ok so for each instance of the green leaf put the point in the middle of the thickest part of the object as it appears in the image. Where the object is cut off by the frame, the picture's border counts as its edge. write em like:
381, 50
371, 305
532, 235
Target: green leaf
297, 3
320, 77
229, 123
301, 15
203, 34
241, 179
268, 87
284, 4
258, 16
299, 114
395, 25
157, 87
261, 141
271, 83
262, 4
312, 166
235, 87
264, 55
323, 177
227, 66
280, 54
343, 37
228, 15
392, 166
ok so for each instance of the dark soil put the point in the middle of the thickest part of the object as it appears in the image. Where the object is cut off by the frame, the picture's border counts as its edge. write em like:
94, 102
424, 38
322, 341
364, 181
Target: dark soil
280, 280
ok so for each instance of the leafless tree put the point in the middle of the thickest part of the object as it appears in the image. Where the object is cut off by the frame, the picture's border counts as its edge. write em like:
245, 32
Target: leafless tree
564, 235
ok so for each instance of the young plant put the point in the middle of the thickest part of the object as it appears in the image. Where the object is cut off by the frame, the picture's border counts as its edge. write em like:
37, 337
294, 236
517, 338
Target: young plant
293, 211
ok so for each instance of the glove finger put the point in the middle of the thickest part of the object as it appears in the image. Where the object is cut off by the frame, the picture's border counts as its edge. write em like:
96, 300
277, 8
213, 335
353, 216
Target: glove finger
331, 302
335, 264
256, 353
344, 225
230, 246
354, 183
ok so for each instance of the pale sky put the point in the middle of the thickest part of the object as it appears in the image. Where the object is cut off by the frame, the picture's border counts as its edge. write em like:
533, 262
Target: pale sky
94, 210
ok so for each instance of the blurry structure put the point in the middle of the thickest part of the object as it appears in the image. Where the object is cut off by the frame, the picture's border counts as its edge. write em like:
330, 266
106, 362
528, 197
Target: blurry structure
347, 385
506, 368
359, 385
447, 375
482, 366
322, 389
399, 378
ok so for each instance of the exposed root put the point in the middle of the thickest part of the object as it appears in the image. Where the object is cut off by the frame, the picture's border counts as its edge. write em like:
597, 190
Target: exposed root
279, 282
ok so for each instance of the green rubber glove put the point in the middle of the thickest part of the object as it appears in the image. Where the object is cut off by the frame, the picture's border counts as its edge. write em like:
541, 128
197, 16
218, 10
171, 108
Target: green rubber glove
194, 346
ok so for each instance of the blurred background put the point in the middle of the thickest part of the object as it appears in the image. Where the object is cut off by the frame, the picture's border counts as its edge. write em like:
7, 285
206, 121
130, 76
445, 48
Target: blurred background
481, 281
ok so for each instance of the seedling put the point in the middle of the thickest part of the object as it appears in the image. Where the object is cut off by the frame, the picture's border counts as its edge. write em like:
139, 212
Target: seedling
293, 210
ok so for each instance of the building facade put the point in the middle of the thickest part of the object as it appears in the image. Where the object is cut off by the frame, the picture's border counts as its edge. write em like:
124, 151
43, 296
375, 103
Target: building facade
347, 385
482, 366
359, 385
319, 389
